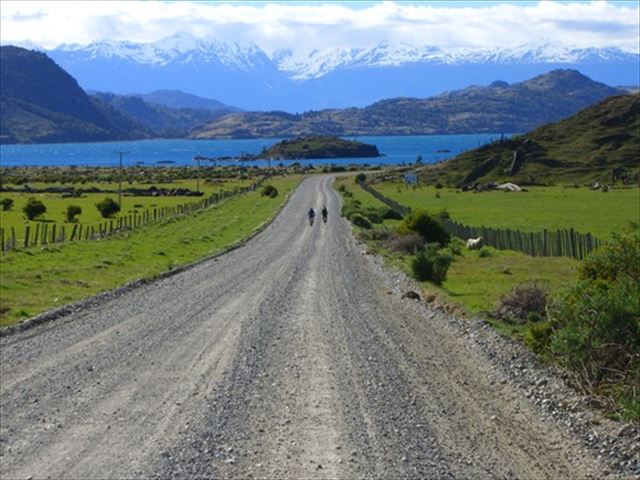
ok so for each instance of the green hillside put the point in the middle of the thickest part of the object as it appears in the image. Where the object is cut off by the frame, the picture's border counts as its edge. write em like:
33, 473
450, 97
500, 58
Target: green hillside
600, 143
40, 102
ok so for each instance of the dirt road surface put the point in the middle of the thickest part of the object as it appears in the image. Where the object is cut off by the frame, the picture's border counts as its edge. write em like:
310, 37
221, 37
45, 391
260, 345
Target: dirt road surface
291, 357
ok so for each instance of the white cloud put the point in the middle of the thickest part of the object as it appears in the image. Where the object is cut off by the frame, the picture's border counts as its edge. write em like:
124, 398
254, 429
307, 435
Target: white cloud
305, 26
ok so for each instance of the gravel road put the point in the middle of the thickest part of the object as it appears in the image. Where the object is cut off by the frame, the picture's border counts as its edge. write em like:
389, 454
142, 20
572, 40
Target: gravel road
291, 357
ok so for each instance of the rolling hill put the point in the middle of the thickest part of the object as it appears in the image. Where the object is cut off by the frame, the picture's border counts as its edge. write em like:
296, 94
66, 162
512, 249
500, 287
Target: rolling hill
600, 143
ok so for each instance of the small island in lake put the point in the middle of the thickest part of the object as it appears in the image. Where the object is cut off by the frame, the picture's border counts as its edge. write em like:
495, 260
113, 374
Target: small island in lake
319, 147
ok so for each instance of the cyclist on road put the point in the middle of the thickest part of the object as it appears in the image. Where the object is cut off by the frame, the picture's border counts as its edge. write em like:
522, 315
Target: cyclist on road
325, 214
312, 215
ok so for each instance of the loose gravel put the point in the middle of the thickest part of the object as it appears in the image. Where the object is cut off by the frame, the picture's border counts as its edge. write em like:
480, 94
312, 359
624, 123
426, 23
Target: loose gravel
294, 356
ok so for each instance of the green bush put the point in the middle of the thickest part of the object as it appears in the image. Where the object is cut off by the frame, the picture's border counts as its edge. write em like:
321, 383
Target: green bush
425, 225
6, 203
431, 264
597, 324
391, 214
108, 207
72, 212
373, 214
360, 221
484, 252
360, 178
455, 246
34, 208
269, 191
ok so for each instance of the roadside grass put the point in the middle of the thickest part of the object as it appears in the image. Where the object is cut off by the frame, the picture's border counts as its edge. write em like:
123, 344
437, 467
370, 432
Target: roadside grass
551, 208
591, 321
36, 279
57, 206
474, 282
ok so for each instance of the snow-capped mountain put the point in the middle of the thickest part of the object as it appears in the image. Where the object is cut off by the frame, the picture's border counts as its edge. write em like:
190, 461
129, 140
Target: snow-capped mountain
317, 63
242, 74
180, 48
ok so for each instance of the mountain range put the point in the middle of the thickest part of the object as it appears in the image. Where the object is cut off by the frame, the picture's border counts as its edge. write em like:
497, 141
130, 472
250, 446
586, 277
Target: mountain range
43, 103
244, 75
499, 107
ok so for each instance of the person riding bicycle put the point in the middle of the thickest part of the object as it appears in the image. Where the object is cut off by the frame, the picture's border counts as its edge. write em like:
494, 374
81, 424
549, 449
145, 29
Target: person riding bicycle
312, 215
325, 213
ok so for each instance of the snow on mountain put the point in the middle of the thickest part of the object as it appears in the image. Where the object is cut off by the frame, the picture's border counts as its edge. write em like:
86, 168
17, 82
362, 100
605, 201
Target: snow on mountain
317, 63
180, 48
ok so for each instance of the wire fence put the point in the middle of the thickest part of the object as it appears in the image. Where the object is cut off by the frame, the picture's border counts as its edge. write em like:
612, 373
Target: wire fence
43, 233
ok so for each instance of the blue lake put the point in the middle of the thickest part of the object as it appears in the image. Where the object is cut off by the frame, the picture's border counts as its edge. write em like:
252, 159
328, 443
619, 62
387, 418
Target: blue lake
396, 150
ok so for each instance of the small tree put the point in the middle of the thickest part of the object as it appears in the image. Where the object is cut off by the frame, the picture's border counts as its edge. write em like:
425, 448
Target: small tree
108, 207
6, 203
72, 212
34, 208
425, 225
360, 178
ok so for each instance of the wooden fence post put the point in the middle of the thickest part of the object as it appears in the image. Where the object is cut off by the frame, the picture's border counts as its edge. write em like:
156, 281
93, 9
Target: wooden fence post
36, 234
26, 236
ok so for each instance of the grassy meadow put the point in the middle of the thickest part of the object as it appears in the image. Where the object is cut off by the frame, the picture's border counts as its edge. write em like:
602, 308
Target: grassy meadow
476, 283
551, 208
36, 279
57, 205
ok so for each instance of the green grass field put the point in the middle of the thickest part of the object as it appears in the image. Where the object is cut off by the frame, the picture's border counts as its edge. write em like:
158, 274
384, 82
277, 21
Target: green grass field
57, 206
584, 210
477, 283
36, 279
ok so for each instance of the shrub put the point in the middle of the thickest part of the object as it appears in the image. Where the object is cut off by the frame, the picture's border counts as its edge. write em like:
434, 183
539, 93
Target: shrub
428, 227
269, 191
373, 214
108, 207
34, 208
455, 246
376, 234
360, 221
348, 209
439, 185
407, 243
597, 324
6, 203
391, 214
484, 252
72, 212
342, 188
431, 264
525, 302
360, 178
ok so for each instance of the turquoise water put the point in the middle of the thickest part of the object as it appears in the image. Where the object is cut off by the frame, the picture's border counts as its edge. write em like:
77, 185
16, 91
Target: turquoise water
396, 150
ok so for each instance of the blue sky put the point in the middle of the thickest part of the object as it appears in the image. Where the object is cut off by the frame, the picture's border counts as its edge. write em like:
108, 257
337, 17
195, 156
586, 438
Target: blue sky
304, 26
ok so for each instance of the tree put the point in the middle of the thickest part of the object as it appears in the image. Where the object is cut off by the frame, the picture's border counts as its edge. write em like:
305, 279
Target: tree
72, 212
6, 203
34, 208
108, 207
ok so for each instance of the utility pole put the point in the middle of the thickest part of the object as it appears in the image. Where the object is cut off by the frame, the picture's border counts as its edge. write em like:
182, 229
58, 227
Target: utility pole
120, 154
197, 158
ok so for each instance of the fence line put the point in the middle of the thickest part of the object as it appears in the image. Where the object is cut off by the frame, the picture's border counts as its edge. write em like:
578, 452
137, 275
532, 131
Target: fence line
548, 243
43, 235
